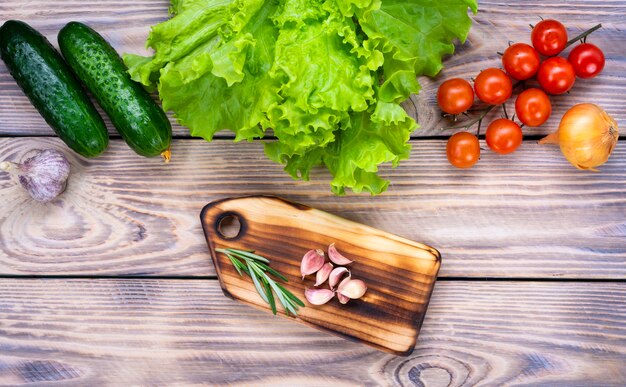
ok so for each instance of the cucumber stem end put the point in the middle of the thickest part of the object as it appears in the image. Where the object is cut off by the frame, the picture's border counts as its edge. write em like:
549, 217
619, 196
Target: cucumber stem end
167, 155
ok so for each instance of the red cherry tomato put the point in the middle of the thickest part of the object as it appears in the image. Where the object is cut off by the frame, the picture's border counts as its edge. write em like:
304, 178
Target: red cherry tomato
504, 136
463, 150
533, 107
493, 86
556, 75
587, 60
455, 96
549, 37
521, 61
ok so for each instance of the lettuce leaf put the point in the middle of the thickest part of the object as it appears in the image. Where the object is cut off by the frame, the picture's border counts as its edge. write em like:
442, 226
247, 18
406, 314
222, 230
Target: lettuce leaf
224, 83
326, 76
368, 141
314, 103
414, 35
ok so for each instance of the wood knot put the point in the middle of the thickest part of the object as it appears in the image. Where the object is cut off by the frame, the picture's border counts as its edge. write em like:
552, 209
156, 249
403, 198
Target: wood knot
45, 371
433, 370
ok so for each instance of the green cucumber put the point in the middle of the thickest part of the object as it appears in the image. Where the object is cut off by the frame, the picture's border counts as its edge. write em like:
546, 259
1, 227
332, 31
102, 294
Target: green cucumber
139, 120
52, 88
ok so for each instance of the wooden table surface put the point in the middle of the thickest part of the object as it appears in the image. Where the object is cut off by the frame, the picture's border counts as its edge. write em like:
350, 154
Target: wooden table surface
113, 283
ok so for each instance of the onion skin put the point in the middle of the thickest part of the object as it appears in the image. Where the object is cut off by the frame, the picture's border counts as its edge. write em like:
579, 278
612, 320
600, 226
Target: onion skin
587, 135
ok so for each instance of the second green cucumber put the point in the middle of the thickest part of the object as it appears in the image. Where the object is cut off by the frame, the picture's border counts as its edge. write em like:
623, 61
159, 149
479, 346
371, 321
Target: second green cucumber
139, 120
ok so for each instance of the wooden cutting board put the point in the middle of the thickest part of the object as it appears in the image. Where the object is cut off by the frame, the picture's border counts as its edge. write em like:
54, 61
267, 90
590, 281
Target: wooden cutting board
400, 274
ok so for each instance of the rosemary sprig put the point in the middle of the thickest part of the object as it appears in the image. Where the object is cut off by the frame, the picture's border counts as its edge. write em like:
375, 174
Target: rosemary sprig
257, 268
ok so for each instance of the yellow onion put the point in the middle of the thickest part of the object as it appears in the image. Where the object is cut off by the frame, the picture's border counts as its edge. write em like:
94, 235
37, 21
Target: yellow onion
586, 135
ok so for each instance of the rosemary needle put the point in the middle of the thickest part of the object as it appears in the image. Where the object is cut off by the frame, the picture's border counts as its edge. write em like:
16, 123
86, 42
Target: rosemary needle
257, 268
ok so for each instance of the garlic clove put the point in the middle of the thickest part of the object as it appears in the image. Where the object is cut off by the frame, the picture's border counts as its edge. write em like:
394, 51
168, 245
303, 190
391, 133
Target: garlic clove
44, 175
345, 280
343, 299
318, 296
352, 288
312, 261
336, 275
336, 257
323, 273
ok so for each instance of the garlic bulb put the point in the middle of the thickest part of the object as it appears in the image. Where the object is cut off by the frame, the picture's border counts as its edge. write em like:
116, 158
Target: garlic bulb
44, 175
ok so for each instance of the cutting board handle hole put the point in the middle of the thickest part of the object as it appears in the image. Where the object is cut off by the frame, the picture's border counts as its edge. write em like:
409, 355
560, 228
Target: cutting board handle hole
229, 225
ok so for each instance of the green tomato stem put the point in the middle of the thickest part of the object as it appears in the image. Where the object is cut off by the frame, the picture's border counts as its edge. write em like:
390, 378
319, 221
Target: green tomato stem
479, 118
583, 35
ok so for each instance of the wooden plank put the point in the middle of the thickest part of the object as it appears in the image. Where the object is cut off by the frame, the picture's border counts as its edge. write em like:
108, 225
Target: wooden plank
168, 332
529, 214
126, 26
